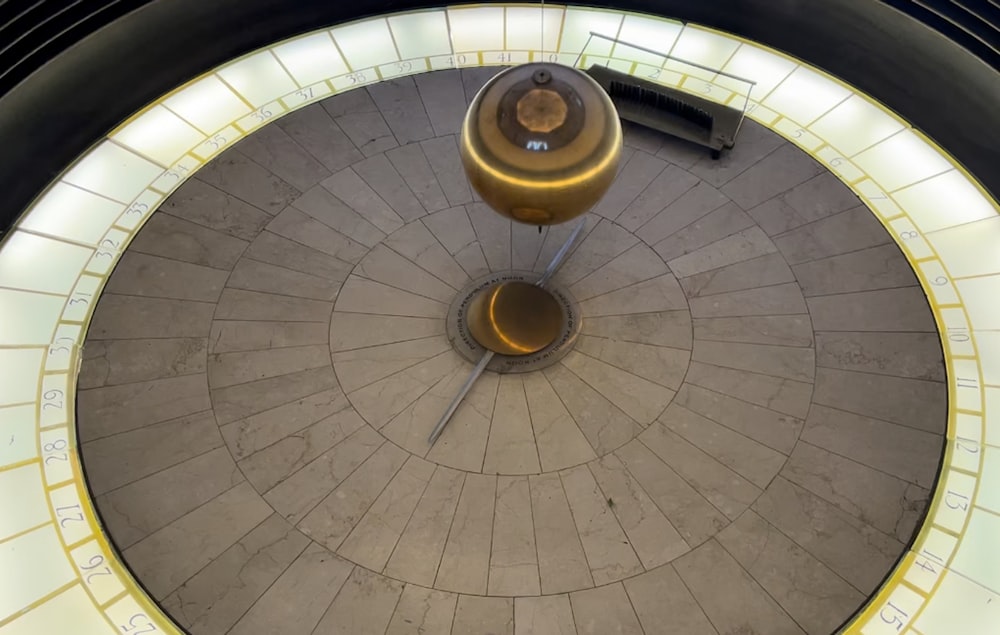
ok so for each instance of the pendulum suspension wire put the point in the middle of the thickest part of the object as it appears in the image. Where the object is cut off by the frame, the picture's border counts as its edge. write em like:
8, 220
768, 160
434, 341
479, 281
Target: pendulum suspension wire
488, 355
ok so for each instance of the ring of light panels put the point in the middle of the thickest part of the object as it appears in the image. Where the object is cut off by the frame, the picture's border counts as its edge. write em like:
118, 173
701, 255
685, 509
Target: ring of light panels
58, 573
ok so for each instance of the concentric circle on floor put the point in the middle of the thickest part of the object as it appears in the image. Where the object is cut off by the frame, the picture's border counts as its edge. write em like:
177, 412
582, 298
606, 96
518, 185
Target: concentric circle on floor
744, 434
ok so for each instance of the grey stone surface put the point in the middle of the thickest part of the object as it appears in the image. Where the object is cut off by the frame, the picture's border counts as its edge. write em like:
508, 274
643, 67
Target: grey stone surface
778, 361
443, 95
780, 171
851, 230
299, 227
200, 203
663, 190
237, 304
105, 411
714, 226
776, 393
400, 104
913, 355
368, 131
694, 204
882, 267
234, 173
277, 250
381, 176
908, 402
173, 237
316, 132
637, 174
778, 300
764, 271
253, 275
442, 154
152, 276
274, 149
755, 143
773, 429
781, 330
895, 310
111, 362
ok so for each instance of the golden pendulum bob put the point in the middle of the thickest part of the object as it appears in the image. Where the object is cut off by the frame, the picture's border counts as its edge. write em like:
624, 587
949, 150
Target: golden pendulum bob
541, 145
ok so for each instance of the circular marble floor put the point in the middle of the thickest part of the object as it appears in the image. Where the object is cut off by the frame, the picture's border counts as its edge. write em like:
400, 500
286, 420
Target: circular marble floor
741, 441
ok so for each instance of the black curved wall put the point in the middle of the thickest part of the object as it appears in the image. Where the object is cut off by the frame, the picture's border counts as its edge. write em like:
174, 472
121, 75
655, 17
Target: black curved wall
54, 115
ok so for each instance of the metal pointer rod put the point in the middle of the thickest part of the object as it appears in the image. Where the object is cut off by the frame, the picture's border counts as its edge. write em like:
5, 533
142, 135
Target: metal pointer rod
488, 355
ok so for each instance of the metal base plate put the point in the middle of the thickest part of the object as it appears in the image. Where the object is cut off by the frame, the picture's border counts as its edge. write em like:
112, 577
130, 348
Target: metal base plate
466, 345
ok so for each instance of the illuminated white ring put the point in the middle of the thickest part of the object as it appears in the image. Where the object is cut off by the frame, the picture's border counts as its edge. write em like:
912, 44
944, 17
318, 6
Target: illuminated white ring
54, 264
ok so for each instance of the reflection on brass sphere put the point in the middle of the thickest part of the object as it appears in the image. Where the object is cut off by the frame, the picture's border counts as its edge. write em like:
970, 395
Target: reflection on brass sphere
514, 318
541, 143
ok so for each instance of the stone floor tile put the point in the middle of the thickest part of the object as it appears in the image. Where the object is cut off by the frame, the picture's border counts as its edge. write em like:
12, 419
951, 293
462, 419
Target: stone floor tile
716, 225
298, 226
562, 564
754, 461
730, 493
253, 433
773, 429
418, 552
779, 330
368, 131
395, 188
350, 331
322, 205
382, 400
297, 600
687, 209
253, 275
605, 426
493, 232
360, 295
217, 596
418, 244
909, 402
555, 236
635, 265
388, 267
664, 606
169, 557
732, 600
782, 299
273, 464
601, 245
603, 610
651, 534
462, 445
202, 204
373, 539
331, 521
422, 611
277, 250
667, 328
610, 555
639, 398
881, 267
662, 365
775, 216
151, 276
229, 336
896, 310
680, 152
788, 362
855, 550
243, 400
641, 137
511, 447
739, 247
513, 560
813, 595
347, 102
234, 173
444, 100
413, 425
668, 186
465, 562
274, 149
909, 454
442, 154
359, 367
105, 411
659, 294
144, 506
403, 109
867, 494
452, 228
475, 77
821, 196
545, 615
764, 271
525, 245
111, 362
173, 237
695, 519
476, 615
314, 129
350, 188
637, 173
227, 369
912, 355
778, 172
852, 230
119, 459
473, 261
775, 393
298, 494
755, 143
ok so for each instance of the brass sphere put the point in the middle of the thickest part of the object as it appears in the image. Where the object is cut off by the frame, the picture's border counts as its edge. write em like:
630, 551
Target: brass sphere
541, 143
514, 318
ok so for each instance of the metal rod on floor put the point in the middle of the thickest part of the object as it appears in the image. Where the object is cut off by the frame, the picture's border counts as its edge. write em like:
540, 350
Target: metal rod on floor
488, 355
466, 387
